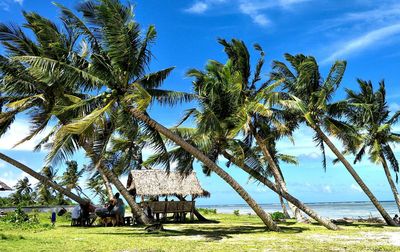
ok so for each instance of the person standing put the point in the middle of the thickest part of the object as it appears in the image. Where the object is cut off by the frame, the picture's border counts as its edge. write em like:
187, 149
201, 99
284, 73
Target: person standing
53, 217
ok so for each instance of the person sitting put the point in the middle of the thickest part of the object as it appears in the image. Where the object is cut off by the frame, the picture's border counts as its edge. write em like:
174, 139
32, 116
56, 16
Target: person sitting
120, 209
396, 219
76, 215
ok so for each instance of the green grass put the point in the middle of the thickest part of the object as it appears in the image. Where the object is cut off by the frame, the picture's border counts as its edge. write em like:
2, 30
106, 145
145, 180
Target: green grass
232, 233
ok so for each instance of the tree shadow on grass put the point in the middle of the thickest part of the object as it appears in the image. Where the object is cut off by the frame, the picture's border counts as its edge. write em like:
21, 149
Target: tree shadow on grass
214, 233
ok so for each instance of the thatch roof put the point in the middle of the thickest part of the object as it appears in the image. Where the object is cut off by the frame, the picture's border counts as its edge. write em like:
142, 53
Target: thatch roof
160, 183
4, 187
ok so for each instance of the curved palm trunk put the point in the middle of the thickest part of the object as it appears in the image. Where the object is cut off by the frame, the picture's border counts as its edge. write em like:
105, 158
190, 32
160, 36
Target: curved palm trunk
136, 210
391, 183
266, 218
277, 174
44, 180
354, 174
324, 222
284, 209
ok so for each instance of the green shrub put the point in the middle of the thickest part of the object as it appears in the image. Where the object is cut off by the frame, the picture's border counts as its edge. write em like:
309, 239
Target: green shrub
207, 210
236, 212
277, 216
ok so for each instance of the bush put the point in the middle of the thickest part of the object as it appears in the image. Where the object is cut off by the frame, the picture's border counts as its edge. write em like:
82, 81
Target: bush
236, 212
19, 219
207, 210
277, 216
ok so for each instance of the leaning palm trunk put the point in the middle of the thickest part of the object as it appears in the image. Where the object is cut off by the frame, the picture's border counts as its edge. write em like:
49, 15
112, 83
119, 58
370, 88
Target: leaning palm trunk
44, 180
324, 222
354, 174
391, 183
136, 210
284, 209
266, 218
277, 174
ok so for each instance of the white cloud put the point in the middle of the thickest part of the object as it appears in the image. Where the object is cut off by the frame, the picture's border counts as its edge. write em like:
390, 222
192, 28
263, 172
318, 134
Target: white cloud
355, 188
5, 4
290, 3
327, 189
18, 130
365, 41
198, 8
252, 8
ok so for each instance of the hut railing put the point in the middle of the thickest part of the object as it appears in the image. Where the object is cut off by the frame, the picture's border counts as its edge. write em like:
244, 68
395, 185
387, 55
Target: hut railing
170, 206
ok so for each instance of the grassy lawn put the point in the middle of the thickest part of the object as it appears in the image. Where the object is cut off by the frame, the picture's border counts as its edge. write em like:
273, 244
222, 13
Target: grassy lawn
232, 233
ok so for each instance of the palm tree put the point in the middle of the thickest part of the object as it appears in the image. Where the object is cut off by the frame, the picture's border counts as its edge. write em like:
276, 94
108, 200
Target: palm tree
311, 97
369, 112
23, 193
254, 112
96, 185
23, 91
45, 194
71, 176
119, 62
29, 92
122, 71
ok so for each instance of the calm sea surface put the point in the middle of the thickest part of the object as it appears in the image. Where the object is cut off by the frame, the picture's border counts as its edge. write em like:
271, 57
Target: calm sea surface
330, 210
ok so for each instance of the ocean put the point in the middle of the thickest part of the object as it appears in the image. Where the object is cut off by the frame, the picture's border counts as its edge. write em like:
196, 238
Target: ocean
332, 210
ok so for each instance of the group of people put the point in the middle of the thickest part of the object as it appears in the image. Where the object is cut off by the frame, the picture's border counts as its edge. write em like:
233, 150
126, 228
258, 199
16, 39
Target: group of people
114, 208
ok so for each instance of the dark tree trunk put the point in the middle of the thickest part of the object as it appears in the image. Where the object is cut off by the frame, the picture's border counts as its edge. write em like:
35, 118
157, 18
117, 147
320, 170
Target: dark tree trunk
391, 183
354, 174
277, 174
44, 180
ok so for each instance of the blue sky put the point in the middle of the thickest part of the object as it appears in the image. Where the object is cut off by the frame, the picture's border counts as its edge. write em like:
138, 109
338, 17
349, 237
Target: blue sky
365, 33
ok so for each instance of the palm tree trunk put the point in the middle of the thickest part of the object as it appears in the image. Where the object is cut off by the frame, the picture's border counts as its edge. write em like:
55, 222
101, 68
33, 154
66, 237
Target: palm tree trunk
136, 209
391, 183
44, 180
324, 222
354, 174
277, 174
266, 218
284, 209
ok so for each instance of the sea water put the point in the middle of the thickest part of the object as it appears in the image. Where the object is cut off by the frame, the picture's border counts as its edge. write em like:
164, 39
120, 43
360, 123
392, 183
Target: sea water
332, 210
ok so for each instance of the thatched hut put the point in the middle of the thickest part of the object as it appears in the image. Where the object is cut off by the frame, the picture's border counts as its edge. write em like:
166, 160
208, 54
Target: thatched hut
158, 183
4, 187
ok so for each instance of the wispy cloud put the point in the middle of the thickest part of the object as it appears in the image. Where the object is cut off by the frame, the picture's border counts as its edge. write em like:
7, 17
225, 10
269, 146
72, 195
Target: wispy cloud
18, 130
355, 188
5, 4
199, 7
253, 8
363, 42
